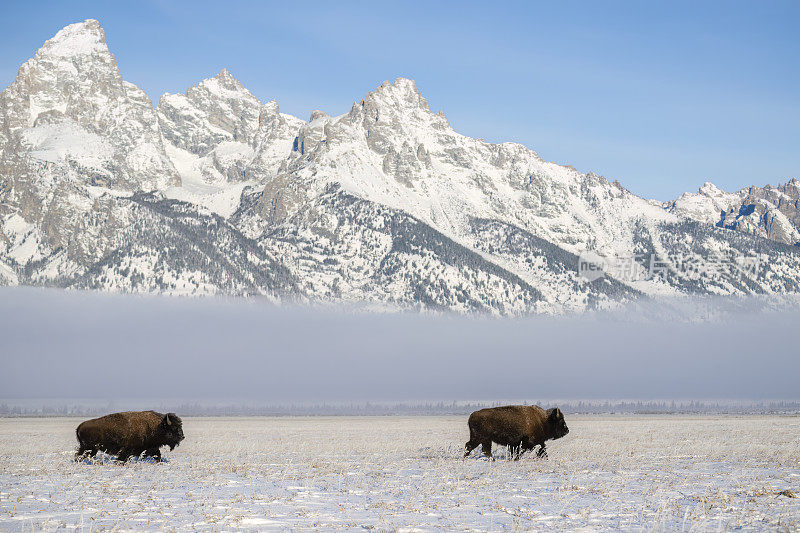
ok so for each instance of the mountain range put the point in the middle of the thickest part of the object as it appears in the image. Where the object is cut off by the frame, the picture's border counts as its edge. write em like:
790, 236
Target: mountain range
386, 206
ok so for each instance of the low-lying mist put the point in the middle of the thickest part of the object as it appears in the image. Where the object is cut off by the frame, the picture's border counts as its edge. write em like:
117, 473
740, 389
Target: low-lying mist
56, 344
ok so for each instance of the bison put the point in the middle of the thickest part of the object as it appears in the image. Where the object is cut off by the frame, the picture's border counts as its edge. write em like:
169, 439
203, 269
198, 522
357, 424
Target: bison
127, 434
520, 427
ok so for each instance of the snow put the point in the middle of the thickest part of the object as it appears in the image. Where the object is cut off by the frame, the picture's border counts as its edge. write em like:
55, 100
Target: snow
177, 101
16, 225
393, 151
782, 223
39, 105
67, 140
143, 156
229, 152
81, 39
712, 205
217, 144
448, 194
225, 86
707, 204
610, 473
222, 200
96, 192
7, 275
218, 197
24, 240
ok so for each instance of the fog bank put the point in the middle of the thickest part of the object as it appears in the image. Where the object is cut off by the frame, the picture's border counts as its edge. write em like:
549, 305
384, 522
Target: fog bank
56, 344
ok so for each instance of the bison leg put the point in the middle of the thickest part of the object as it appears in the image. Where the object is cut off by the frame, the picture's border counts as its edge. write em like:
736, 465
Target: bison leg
526, 446
471, 445
155, 453
81, 453
85, 451
486, 446
542, 451
123, 455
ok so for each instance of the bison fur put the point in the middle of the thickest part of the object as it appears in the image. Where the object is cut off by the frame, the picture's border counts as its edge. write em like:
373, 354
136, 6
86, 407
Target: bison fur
128, 434
520, 427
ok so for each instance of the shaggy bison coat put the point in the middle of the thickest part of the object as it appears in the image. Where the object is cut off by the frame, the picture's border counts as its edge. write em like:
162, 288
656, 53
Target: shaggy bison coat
520, 427
131, 433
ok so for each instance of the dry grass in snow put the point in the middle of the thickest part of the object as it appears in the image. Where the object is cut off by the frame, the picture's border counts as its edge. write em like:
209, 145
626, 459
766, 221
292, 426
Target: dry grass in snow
610, 473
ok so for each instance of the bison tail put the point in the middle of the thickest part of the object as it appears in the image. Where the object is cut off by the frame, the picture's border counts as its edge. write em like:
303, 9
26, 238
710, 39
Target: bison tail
81, 447
80, 435
472, 423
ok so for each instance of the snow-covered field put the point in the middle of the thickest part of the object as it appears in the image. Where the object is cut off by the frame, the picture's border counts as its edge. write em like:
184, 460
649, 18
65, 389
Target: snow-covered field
387, 473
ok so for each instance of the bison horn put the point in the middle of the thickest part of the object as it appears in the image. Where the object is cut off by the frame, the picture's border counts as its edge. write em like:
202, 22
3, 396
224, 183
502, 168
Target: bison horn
169, 421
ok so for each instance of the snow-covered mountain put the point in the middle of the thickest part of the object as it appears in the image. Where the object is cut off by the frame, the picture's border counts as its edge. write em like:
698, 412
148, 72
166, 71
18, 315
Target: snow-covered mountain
221, 138
216, 192
770, 212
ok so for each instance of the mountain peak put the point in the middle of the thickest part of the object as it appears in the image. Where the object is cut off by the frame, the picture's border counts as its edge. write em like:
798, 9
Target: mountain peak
402, 94
226, 81
401, 87
406, 85
709, 189
225, 75
79, 39
394, 208
317, 115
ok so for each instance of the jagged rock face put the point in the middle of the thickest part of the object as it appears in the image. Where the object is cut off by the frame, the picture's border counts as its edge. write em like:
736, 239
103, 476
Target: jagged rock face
214, 111
707, 205
230, 134
70, 124
169, 247
70, 108
344, 248
391, 149
528, 218
217, 193
770, 212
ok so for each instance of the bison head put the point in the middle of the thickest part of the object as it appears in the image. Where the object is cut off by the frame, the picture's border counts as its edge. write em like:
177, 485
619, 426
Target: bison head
556, 422
172, 427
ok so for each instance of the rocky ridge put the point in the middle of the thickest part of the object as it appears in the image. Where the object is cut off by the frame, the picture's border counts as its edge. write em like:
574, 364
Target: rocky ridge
215, 192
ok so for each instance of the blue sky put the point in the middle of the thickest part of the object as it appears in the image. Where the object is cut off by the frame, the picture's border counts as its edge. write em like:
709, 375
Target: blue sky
661, 96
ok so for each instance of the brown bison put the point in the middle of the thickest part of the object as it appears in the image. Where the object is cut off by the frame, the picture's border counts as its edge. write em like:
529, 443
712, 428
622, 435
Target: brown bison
520, 427
127, 434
